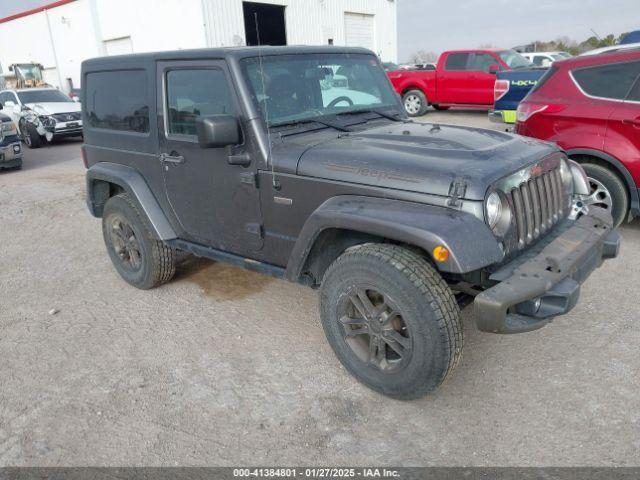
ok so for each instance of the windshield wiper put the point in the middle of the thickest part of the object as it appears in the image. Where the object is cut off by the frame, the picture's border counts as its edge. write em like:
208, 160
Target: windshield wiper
321, 121
382, 113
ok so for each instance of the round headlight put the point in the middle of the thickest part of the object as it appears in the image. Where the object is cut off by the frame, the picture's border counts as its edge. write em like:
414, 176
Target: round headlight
494, 209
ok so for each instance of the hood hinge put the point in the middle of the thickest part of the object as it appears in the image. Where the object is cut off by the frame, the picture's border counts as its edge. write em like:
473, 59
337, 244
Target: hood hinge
457, 190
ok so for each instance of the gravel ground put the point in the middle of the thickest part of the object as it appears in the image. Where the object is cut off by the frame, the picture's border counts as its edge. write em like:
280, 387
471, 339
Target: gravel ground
228, 367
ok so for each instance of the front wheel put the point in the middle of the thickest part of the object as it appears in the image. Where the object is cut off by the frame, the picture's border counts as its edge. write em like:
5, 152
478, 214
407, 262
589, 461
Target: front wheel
140, 260
30, 135
415, 103
391, 320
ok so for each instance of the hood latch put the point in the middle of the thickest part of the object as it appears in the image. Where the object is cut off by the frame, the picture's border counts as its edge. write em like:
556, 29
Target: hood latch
457, 190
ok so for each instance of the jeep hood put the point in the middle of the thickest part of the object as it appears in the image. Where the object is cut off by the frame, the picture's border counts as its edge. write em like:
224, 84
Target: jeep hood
419, 157
51, 108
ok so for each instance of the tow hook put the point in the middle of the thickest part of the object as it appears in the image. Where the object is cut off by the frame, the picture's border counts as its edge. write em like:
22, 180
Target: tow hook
578, 209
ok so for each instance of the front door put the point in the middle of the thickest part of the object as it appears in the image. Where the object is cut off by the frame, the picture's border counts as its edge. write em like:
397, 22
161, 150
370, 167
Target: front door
214, 201
481, 82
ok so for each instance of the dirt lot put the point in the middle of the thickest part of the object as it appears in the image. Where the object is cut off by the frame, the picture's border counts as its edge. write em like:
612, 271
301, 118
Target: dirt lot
228, 367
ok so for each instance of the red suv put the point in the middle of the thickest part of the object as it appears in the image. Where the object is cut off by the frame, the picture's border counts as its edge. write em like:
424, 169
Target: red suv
590, 106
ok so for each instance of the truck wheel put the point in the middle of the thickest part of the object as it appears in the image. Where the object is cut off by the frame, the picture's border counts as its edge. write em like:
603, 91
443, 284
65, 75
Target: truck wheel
391, 320
30, 135
438, 107
415, 103
607, 191
140, 260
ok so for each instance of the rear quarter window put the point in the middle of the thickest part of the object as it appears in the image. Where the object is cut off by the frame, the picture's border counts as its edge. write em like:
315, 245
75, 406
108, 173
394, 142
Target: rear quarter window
456, 61
612, 81
117, 100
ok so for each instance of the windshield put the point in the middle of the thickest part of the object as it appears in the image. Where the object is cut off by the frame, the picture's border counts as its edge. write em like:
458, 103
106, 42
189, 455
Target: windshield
43, 96
290, 88
28, 71
514, 60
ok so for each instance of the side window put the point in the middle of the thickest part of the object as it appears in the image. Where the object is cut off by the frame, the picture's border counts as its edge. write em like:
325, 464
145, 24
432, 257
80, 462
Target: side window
118, 100
3, 98
480, 62
195, 92
456, 61
607, 81
634, 95
538, 59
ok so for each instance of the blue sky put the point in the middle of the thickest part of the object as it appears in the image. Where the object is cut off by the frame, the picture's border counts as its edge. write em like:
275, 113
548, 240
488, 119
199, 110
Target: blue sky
434, 25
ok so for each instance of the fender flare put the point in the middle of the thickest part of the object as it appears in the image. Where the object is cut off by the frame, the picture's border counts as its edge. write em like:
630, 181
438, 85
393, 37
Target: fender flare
634, 195
132, 183
470, 242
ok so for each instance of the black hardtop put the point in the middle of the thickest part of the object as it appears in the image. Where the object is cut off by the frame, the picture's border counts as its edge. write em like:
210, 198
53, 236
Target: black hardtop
136, 60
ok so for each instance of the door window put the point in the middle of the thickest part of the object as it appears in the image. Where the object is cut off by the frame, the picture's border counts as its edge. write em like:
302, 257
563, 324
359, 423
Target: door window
538, 60
456, 61
611, 81
634, 95
192, 93
480, 62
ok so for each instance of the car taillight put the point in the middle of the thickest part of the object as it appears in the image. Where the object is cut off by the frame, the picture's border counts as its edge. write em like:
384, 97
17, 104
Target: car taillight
500, 89
527, 110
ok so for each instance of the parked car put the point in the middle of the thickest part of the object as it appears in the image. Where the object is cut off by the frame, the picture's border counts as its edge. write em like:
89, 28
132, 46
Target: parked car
510, 87
463, 78
42, 114
545, 59
239, 155
590, 106
612, 48
10, 151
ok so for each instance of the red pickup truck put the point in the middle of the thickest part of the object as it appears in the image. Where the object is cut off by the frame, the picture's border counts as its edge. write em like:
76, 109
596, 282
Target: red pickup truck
462, 78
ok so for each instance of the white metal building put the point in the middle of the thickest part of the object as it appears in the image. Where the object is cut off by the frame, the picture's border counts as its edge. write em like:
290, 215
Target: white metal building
60, 35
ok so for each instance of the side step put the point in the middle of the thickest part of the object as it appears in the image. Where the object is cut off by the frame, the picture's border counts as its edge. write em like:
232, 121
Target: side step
226, 257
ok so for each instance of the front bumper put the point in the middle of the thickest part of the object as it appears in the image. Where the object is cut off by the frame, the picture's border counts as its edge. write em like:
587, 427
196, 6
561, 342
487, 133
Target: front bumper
545, 282
502, 116
10, 155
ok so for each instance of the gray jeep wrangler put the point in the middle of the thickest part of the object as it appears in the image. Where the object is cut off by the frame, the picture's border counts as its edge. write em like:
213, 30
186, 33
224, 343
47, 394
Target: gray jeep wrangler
298, 162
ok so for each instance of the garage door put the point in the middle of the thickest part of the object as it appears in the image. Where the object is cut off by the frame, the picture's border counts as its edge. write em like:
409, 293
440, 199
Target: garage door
358, 30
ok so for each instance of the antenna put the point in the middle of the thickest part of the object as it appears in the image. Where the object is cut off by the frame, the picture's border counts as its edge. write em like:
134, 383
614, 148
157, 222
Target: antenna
266, 106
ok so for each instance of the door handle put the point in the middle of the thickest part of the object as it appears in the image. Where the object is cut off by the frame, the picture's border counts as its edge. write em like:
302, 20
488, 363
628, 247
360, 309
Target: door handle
171, 158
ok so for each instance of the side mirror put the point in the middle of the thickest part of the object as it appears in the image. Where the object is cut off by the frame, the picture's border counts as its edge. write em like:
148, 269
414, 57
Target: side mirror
494, 68
215, 131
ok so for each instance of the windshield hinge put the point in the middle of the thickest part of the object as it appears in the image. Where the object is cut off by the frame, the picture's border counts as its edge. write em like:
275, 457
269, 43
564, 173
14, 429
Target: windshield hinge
249, 178
457, 190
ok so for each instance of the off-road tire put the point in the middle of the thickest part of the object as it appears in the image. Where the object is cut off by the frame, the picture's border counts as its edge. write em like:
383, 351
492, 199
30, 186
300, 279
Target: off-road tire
427, 306
157, 259
30, 135
421, 98
616, 188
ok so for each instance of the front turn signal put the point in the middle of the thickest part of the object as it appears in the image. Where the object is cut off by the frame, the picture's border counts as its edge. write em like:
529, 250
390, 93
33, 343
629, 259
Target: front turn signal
440, 253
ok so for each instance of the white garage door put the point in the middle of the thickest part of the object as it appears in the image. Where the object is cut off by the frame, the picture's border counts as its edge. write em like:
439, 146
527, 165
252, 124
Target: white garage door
358, 30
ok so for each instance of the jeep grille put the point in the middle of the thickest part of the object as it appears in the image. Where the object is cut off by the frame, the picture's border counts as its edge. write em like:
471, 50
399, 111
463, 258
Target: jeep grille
538, 204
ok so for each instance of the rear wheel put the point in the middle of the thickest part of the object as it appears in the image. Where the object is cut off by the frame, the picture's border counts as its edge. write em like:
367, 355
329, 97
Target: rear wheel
415, 103
607, 191
140, 260
391, 320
